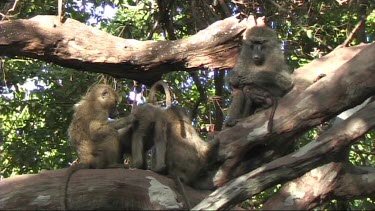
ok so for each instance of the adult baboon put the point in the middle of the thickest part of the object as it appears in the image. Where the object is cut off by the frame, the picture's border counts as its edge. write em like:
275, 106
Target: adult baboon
186, 153
261, 66
143, 134
95, 139
178, 149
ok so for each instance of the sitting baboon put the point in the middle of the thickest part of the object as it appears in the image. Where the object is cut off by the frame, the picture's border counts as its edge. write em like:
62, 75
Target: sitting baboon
178, 149
92, 135
142, 132
261, 66
186, 153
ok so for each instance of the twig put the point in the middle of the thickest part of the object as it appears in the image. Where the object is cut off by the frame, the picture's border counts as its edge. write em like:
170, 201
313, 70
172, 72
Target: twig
356, 29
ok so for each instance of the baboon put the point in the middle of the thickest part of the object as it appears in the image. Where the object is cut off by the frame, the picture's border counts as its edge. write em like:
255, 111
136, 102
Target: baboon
178, 146
258, 99
187, 154
178, 149
95, 139
146, 117
261, 66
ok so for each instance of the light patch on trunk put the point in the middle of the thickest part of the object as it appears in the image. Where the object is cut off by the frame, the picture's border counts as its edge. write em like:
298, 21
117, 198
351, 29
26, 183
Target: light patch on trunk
163, 195
42, 200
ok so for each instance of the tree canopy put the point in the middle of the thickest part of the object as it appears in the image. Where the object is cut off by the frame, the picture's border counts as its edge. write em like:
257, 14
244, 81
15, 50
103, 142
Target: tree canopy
314, 157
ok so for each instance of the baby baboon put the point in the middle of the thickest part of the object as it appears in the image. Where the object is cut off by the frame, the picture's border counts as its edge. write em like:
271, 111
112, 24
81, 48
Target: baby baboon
261, 65
95, 139
260, 99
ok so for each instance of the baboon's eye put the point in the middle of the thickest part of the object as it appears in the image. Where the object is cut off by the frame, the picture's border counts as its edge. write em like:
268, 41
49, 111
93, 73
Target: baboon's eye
105, 93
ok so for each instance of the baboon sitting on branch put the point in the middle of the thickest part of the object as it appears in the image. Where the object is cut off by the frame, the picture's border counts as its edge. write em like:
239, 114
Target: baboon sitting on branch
178, 149
95, 139
260, 76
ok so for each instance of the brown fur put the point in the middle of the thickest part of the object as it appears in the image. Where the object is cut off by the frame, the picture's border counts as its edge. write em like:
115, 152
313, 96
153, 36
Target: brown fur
95, 139
261, 66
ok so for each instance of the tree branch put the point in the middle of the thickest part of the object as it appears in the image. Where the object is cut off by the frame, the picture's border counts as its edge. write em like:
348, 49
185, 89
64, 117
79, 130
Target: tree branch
316, 153
341, 89
78, 46
116, 189
333, 180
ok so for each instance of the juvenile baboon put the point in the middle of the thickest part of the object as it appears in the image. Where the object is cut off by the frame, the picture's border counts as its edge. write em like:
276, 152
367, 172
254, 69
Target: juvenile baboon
261, 66
95, 139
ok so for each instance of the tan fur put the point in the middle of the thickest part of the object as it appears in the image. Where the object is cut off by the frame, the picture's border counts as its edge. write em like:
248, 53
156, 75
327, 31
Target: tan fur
95, 139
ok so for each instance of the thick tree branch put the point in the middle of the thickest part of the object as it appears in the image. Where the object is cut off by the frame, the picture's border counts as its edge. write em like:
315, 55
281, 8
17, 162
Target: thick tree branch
333, 180
95, 189
78, 46
316, 153
347, 86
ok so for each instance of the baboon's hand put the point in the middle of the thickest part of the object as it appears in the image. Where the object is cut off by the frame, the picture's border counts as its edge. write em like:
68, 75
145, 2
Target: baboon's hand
122, 122
234, 79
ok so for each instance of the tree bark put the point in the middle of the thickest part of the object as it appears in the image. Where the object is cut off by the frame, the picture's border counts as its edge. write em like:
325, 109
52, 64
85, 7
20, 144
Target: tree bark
95, 189
333, 180
81, 47
318, 152
349, 81
249, 144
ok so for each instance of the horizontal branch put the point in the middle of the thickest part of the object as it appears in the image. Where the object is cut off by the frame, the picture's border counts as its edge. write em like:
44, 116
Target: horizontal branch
316, 153
95, 189
81, 47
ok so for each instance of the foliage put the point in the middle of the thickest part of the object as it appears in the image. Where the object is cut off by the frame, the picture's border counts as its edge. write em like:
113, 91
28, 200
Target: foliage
34, 121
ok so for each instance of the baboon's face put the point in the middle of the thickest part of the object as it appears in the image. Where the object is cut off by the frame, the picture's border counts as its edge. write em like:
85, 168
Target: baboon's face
260, 41
258, 52
108, 100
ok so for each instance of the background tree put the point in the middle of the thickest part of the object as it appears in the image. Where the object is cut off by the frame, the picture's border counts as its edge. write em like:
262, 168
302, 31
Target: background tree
37, 97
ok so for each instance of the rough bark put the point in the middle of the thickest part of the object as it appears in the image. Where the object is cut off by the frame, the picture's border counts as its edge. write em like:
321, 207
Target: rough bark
318, 152
349, 81
249, 144
95, 189
81, 47
333, 180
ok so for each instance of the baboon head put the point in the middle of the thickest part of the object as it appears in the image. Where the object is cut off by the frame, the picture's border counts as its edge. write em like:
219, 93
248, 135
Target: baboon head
105, 98
260, 41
